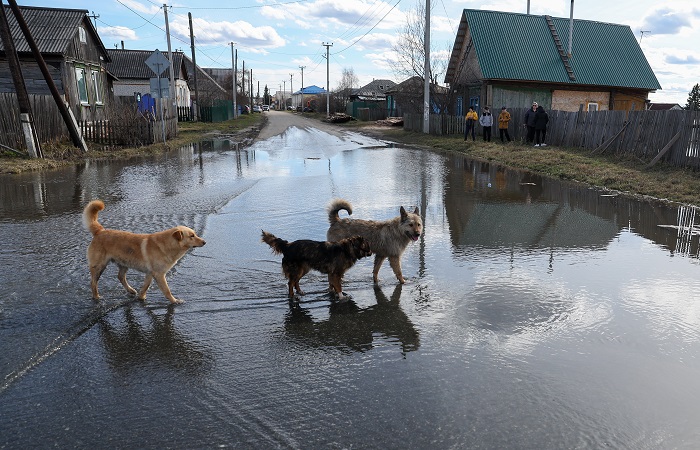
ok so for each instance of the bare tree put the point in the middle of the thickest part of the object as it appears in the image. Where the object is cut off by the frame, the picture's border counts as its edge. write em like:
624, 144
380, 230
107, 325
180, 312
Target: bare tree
348, 81
410, 57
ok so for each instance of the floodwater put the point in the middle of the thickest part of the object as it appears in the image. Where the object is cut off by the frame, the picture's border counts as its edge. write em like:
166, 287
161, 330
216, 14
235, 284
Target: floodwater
537, 315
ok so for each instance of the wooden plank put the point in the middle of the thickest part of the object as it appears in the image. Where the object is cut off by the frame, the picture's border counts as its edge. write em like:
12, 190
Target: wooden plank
666, 148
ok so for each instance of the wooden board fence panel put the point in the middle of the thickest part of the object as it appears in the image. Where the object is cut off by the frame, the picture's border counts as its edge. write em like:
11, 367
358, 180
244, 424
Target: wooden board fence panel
639, 133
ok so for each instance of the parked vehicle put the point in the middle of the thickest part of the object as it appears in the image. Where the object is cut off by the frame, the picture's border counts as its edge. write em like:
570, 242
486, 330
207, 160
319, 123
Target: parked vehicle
257, 108
265, 107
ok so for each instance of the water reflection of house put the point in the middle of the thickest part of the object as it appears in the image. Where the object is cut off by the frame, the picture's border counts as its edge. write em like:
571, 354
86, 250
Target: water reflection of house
492, 207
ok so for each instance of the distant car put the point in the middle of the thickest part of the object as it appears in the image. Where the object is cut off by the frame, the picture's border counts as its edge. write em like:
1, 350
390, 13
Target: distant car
266, 107
257, 108
289, 108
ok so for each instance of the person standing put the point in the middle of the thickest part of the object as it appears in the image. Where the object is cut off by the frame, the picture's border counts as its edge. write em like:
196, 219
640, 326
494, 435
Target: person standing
541, 120
530, 123
486, 121
503, 120
470, 124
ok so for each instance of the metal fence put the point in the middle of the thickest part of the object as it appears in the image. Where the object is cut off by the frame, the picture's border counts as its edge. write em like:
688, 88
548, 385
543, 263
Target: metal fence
672, 136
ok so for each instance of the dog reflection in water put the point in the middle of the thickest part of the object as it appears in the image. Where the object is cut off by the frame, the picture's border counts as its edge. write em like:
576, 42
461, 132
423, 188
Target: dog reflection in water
332, 258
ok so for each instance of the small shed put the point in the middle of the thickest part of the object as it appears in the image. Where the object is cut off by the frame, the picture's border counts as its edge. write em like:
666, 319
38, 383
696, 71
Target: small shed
73, 52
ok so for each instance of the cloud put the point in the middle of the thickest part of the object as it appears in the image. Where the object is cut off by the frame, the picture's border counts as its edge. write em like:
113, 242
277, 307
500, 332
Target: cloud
253, 38
139, 7
666, 21
342, 17
685, 59
109, 34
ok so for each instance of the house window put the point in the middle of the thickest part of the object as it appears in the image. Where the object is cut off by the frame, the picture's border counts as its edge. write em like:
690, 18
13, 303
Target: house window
97, 86
592, 107
81, 82
83, 35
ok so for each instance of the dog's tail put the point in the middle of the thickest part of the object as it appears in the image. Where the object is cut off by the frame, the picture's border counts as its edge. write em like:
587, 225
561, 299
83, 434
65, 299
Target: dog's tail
278, 245
90, 216
335, 206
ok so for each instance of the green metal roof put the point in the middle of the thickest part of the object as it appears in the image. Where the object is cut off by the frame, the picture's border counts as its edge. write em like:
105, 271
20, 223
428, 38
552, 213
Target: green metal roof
520, 47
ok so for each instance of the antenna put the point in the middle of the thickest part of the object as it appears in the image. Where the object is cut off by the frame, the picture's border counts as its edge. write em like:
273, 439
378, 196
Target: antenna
641, 34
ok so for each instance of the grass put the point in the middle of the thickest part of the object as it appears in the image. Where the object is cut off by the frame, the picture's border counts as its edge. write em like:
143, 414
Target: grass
58, 154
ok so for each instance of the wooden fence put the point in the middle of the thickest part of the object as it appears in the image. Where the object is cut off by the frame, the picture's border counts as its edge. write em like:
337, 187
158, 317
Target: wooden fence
128, 128
671, 136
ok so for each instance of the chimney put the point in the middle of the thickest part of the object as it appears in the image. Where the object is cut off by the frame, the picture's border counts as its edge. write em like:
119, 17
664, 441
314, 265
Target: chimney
571, 27
122, 45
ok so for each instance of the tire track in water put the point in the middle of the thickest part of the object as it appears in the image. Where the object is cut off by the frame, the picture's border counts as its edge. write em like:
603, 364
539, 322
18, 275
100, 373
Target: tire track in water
74, 332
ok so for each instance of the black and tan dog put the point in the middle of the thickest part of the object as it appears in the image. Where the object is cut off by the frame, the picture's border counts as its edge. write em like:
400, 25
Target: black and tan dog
388, 238
153, 254
332, 258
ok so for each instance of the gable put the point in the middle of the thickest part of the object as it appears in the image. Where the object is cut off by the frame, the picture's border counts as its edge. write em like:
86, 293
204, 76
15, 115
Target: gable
54, 30
520, 47
131, 64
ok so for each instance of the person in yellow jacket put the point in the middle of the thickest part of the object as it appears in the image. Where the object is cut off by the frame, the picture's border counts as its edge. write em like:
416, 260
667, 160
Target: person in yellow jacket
469, 126
503, 120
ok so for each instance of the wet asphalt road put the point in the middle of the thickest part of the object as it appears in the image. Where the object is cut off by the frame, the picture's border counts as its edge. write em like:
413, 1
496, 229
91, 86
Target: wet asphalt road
537, 314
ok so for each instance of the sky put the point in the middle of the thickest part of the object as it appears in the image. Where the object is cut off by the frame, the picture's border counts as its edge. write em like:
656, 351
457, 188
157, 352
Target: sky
276, 38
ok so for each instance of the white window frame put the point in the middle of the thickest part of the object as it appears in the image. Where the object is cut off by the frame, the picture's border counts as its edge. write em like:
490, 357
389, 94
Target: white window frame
97, 85
83, 35
81, 78
592, 106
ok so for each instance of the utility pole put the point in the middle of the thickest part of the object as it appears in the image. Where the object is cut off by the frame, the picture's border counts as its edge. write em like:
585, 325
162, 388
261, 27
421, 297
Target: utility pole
243, 81
233, 72
302, 88
25, 106
194, 63
173, 100
284, 100
291, 88
251, 90
66, 112
328, 86
426, 70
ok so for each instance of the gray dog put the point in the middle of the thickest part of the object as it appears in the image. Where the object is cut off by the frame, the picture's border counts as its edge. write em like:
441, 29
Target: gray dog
388, 239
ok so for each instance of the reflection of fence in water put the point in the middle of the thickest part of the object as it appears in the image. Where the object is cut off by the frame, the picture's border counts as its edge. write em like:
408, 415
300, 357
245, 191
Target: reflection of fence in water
686, 230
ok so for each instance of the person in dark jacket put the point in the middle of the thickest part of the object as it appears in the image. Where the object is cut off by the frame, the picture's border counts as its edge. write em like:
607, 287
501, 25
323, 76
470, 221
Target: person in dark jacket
530, 123
541, 120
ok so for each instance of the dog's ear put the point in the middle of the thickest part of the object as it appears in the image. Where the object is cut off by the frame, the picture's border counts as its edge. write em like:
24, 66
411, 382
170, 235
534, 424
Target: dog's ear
416, 211
403, 213
178, 235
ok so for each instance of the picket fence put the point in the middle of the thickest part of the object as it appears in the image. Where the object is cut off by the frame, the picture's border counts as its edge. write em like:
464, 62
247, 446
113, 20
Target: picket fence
670, 136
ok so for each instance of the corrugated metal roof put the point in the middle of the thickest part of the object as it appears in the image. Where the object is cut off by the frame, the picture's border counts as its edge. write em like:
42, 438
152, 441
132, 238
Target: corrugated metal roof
53, 29
132, 64
313, 89
513, 46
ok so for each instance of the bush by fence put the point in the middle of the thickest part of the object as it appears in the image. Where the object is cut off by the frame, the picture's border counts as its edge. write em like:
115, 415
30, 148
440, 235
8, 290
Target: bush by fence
644, 134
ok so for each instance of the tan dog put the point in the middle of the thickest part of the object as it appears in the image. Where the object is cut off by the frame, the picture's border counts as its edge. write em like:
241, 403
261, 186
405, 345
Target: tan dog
153, 254
388, 239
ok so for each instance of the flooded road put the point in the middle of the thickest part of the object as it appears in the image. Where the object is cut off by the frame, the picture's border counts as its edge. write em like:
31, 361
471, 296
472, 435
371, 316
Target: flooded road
537, 314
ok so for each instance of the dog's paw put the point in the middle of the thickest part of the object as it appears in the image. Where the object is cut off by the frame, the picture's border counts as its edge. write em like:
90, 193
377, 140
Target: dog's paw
342, 297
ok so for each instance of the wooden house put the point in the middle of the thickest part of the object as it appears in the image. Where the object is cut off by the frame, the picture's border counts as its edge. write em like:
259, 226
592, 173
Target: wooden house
210, 91
73, 52
511, 59
407, 97
134, 75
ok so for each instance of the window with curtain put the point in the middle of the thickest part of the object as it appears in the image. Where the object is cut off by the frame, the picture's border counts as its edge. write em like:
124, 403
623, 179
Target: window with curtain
82, 85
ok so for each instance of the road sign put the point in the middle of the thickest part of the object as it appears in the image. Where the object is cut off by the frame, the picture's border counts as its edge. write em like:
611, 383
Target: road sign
157, 62
160, 88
